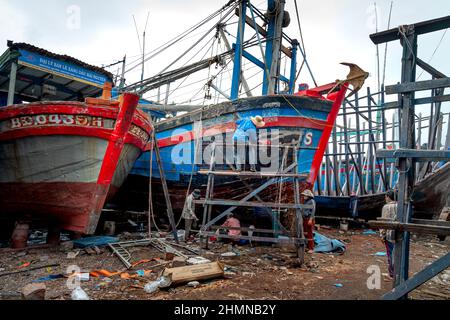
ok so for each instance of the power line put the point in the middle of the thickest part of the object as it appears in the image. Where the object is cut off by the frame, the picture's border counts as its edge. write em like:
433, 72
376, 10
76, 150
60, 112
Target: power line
435, 50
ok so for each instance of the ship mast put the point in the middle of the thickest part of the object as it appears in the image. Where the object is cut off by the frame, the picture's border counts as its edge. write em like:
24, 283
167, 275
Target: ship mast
275, 36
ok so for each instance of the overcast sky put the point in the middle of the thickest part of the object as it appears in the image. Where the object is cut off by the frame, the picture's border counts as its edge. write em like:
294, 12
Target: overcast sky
334, 31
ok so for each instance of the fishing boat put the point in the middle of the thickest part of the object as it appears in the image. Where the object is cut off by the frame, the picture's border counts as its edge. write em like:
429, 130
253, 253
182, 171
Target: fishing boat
431, 193
429, 198
303, 120
61, 161
64, 160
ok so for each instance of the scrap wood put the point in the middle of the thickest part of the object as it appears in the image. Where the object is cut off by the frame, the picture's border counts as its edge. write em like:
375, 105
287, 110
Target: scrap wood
104, 273
144, 262
29, 270
124, 274
195, 273
436, 294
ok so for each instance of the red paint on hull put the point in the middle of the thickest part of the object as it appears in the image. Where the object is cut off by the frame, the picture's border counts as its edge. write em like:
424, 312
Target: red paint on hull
76, 206
65, 202
338, 99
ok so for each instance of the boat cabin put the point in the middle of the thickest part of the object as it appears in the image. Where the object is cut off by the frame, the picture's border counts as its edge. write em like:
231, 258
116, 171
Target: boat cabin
30, 74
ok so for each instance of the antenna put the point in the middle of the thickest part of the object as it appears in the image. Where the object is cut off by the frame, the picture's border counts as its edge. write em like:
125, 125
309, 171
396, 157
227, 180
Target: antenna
142, 45
378, 49
386, 47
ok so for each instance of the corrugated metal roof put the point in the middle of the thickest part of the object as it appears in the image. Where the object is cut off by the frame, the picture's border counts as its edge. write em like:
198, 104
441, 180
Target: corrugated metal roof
66, 58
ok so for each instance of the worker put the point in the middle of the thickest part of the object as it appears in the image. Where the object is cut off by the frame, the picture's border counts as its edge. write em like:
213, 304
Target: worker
189, 213
233, 233
389, 212
309, 216
246, 134
353, 205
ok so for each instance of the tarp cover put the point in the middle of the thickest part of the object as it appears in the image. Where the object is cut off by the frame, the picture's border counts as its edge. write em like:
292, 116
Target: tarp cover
326, 245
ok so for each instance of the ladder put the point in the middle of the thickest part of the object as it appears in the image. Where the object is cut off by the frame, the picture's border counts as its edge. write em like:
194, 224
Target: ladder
120, 249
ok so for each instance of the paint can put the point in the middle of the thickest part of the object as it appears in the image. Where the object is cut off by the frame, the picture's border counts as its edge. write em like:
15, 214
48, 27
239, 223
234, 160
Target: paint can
344, 226
109, 228
19, 238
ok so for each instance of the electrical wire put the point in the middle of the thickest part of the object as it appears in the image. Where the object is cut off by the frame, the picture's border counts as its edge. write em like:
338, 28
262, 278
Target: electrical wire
434, 52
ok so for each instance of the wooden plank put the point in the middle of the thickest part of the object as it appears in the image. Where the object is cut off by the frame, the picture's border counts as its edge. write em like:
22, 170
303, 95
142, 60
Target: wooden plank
442, 230
248, 230
426, 67
252, 174
287, 241
195, 273
432, 222
233, 203
418, 155
165, 187
419, 28
418, 86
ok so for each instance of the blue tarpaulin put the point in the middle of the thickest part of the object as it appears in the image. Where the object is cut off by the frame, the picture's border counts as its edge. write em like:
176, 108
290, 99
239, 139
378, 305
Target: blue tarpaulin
94, 242
326, 245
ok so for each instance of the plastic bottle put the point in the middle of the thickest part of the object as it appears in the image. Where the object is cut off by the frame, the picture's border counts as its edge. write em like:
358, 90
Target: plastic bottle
79, 295
155, 285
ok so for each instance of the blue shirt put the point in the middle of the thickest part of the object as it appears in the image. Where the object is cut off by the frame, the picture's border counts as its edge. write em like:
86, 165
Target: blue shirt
245, 127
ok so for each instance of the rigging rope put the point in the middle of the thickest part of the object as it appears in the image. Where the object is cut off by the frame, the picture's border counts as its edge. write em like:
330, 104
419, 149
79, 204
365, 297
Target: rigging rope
175, 40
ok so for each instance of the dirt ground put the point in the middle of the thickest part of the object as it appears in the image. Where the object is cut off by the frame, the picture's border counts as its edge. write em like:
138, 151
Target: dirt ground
263, 273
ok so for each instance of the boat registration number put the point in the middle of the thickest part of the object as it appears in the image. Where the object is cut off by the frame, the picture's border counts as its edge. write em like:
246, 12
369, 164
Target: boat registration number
56, 119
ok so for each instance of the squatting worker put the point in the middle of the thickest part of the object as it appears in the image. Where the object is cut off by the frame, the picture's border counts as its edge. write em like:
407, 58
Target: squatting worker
246, 134
309, 216
234, 233
389, 212
189, 212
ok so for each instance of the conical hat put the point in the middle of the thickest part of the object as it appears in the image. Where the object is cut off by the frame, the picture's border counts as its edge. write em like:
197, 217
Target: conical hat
258, 121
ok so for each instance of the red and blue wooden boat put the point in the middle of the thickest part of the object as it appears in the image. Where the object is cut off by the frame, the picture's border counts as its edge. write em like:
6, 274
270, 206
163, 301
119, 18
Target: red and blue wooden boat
63, 160
309, 116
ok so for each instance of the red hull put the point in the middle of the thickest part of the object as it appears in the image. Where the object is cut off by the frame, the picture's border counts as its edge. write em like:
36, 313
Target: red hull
64, 160
62, 202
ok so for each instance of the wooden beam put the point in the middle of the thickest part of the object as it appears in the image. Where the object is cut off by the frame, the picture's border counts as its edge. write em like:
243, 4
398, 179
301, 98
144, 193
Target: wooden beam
418, 155
169, 108
252, 174
418, 86
287, 241
420, 278
234, 203
165, 187
420, 101
434, 72
419, 28
431, 222
442, 230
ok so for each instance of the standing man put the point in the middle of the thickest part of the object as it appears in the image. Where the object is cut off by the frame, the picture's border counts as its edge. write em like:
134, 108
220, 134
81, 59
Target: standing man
388, 236
309, 216
246, 134
189, 213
